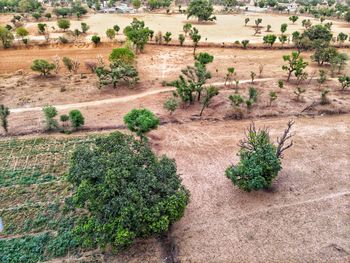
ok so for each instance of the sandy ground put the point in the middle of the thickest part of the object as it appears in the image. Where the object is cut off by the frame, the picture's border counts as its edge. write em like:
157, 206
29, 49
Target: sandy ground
305, 218
227, 28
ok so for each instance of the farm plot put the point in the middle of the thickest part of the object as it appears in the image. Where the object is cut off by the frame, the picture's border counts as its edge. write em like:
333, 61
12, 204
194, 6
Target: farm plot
37, 224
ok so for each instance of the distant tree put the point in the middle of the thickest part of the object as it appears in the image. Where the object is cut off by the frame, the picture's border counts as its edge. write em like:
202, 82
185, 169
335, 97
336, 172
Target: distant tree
280, 84
36, 16
306, 23
141, 121
167, 37
210, 93
71, 65
204, 58
260, 159
187, 28
347, 16
258, 22
324, 55
110, 33
202, 9
338, 62
236, 100
270, 39
41, 28
229, 74
123, 54
196, 37
96, 39
282, 39
268, 28
252, 76
181, 39
298, 92
293, 18
4, 113
84, 27
295, 64
342, 37
22, 33
76, 118
324, 98
50, 112
63, 24
171, 105
138, 34
284, 28
245, 43
344, 82
116, 28
246, 21
136, 4
42, 66
48, 16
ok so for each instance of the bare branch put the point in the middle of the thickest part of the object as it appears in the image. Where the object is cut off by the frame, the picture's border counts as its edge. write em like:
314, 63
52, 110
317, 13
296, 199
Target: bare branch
286, 136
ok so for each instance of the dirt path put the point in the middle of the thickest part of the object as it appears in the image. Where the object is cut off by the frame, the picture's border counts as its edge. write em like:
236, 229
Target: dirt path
122, 99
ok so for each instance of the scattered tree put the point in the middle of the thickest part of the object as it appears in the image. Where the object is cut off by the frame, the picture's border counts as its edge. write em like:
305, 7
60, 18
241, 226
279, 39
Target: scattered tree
181, 39
344, 82
284, 28
96, 39
167, 37
187, 28
123, 54
202, 9
42, 66
4, 113
270, 39
273, 96
137, 33
293, 19
210, 93
141, 121
245, 43
324, 98
50, 112
296, 64
196, 37
246, 21
110, 33
171, 105
260, 159
76, 119
22, 33
63, 24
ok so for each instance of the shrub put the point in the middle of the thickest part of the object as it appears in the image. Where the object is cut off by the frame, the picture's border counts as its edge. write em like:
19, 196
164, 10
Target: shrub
123, 54
181, 39
270, 39
253, 94
210, 92
259, 159
126, 191
63, 24
245, 43
236, 100
202, 9
76, 119
344, 82
110, 33
63, 40
6, 37
42, 66
324, 98
171, 105
273, 96
167, 37
141, 121
50, 113
4, 113
280, 84
84, 27
116, 28
96, 39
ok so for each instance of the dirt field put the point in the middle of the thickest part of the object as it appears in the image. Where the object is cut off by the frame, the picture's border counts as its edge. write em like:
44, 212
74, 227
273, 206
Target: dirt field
227, 28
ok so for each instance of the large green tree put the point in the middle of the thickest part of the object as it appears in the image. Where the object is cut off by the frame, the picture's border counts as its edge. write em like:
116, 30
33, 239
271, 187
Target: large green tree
137, 33
123, 191
202, 9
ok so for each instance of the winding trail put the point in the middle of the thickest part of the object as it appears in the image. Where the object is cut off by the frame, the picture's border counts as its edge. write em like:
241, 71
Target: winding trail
122, 99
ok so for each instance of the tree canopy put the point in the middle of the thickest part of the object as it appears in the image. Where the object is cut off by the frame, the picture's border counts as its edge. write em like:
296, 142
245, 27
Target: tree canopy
202, 9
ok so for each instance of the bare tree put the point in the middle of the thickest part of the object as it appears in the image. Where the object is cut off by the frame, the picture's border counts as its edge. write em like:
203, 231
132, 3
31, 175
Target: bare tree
281, 147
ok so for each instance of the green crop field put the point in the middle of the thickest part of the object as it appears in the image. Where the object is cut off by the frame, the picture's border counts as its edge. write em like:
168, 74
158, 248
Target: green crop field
37, 223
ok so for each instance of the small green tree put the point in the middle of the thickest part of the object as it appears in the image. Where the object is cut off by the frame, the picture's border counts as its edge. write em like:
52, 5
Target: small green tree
295, 64
141, 121
273, 97
48, 16
22, 33
136, 4
63, 24
6, 37
123, 54
229, 75
50, 112
253, 94
41, 28
196, 37
344, 82
110, 33
42, 66
204, 58
84, 27
96, 39
116, 28
4, 113
293, 18
138, 34
270, 39
252, 76
187, 28
342, 37
324, 98
280, 84
284, 28
246, 21
171, 105
236, 100
282, 39
322, 77
210, 93
268, 28
181, 39
245, 43
167, 37
298, 92
76, 119
260, 159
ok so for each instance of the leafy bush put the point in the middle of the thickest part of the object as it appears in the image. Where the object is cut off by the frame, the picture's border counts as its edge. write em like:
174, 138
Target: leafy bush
96, 39
42, 66
202, 9
259, 159
123, 54
63, 24
128, 191
171, 105
50, 112
141, 121
4, 113
137, 33
76, 118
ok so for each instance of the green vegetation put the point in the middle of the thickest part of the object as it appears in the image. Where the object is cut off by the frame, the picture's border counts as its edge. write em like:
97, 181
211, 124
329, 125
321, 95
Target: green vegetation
202, 9
260, 159
4, 113
42, 66
123, 54
137, 33
141, 121
76, 118
63, 24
